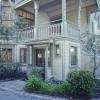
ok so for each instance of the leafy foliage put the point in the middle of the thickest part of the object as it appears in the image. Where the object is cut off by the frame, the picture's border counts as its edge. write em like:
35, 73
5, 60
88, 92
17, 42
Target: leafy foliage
90, 42
91, 45
8, 71
80, 83
37, 72
34, 84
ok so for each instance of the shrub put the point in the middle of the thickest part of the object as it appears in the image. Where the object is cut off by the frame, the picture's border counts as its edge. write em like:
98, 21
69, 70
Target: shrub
8, 70
80, 82
61, 88
34, 84
37, 72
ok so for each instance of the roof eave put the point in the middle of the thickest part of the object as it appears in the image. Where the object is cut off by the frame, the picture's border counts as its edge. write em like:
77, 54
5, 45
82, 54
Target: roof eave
22, 3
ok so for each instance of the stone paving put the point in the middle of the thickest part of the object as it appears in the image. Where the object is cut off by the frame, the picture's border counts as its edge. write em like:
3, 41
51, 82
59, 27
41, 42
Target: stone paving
17, 88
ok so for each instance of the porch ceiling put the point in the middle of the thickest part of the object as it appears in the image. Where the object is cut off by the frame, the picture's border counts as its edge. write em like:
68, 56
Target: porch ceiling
53, 7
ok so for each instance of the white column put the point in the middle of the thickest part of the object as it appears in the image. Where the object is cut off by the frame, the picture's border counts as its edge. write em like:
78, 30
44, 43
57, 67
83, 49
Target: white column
46, 63
53, 55
29, 55
15, 53
64, 17
64, 10
33, 56
79, 13
36, 8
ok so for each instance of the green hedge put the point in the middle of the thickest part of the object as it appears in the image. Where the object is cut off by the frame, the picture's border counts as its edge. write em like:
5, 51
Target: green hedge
37, 72
80, 83
36, 84
9, 71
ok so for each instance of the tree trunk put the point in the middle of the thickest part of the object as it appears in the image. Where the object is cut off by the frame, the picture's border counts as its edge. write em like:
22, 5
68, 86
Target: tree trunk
94, 67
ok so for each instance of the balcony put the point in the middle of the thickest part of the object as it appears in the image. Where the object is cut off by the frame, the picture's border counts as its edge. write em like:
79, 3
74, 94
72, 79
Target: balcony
48, 32
7, 39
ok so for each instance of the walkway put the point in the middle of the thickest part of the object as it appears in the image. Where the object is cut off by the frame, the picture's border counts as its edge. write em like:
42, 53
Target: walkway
14, 90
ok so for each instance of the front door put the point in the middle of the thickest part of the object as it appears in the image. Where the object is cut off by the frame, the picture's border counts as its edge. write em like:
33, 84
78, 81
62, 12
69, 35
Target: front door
40, 57
40, 61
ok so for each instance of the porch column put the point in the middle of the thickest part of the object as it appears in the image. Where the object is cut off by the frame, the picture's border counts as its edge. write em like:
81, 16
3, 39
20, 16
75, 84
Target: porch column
64, 17
79, 13
64, 12
36, 8
29, 55
46, 63
64, 30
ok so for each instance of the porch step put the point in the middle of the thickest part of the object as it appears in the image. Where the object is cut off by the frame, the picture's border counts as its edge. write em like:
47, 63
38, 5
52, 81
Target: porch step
97, 88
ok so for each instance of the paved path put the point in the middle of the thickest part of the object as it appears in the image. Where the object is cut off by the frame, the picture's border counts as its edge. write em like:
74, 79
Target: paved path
6, 95
14, 90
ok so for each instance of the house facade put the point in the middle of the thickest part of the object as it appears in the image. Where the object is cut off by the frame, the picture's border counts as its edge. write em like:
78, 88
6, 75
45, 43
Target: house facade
49, 36
7, 46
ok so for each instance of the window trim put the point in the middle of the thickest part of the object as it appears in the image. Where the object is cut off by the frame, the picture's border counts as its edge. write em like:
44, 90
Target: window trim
57, 55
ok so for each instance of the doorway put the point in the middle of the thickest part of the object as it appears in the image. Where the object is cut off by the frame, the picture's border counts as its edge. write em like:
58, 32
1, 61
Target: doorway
40, 57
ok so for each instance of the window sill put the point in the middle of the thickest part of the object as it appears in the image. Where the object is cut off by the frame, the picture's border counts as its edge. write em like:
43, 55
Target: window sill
73, 66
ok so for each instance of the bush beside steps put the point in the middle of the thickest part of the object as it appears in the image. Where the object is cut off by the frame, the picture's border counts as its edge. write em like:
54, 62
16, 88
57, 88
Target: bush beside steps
79, 83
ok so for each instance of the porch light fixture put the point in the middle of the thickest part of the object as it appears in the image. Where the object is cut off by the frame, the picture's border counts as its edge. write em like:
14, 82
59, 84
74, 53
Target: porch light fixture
39, 55
72, 50
48, 51
57, 50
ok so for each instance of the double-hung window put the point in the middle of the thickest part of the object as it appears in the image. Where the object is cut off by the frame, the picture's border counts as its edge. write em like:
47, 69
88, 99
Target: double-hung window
73, 56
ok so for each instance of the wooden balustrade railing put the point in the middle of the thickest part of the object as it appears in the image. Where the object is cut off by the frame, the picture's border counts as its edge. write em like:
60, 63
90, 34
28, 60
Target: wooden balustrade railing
48, 31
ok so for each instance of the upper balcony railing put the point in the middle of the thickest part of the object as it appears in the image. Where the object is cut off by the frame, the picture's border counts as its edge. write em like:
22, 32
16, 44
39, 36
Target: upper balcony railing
45, 32
4, 39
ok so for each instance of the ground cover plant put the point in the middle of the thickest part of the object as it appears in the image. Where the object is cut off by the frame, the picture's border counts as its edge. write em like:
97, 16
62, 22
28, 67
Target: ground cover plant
78, 83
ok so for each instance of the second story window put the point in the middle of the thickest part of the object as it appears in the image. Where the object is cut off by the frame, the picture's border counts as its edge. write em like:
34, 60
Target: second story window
26, 15
73, 56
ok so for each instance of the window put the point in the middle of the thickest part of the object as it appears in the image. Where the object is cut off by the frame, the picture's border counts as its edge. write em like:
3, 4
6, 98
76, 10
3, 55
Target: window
73, 53
5, 55
57, 50
23, 55
26, 15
